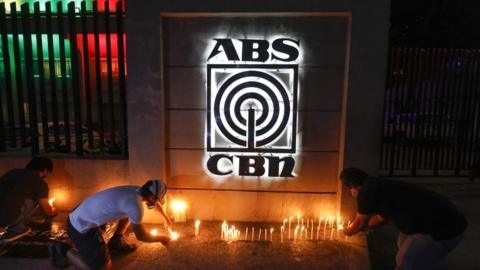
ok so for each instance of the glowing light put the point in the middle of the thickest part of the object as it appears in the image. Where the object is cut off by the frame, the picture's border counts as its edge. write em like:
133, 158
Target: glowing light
51, 201
154, 232
173, 235
230, 234
178, 209
197, 227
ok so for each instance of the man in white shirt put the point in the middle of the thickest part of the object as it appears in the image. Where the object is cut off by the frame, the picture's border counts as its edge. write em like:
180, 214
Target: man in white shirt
84, 225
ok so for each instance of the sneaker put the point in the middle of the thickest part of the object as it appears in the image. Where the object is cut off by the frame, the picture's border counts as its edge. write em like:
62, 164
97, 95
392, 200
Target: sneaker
58, 253
119, 243
12, 235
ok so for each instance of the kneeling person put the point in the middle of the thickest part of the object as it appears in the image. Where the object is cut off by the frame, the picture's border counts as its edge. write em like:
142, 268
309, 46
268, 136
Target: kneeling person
84, 224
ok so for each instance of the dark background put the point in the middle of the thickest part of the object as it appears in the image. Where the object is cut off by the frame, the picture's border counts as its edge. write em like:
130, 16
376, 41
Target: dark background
435, 23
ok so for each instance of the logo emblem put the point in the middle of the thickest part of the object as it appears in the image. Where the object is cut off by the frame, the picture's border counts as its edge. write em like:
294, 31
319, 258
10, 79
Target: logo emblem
252, 108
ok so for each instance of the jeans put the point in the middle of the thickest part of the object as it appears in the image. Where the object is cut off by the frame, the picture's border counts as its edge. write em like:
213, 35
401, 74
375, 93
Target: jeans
419, 251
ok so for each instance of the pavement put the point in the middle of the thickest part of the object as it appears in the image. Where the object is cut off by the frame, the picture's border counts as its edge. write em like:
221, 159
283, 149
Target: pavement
208, 251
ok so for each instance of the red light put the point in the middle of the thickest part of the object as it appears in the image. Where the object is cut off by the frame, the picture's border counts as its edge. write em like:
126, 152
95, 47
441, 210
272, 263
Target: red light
111, 5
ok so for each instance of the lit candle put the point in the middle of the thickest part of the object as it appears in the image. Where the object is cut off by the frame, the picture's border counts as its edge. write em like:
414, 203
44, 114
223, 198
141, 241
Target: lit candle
295, 233
259, 234
282, 229
51, 201
154, 232
271, 234
311, 231
197, 227
339, 229
253, 232
265, 234
246, 233
224, 230
331, 232
289, 226
325, 228
173, 235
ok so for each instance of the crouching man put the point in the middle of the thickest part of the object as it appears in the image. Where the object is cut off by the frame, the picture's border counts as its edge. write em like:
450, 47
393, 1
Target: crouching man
430, 225
84, 225
22, 193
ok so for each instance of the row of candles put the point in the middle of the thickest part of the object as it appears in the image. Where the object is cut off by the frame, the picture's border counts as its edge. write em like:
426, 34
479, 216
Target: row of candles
302, 231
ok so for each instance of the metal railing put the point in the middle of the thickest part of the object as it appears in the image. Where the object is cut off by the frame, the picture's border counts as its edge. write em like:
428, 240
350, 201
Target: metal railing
431, 112
62, 87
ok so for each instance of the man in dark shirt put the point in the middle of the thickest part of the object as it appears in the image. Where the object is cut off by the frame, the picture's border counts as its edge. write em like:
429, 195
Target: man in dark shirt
22, 191
430, 225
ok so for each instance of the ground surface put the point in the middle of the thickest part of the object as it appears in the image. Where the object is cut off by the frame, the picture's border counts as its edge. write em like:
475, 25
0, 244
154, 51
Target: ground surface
208, 251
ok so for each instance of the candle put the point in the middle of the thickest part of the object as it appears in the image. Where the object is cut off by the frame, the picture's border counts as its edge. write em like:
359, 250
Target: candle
51, 201
259, 234
325, 228
224, 230
271, 234
173, 235
339, 229
311, 231
253, 232
289, 226
282, 229
331, 232
246, 233
295, 233
265, 234
197, 227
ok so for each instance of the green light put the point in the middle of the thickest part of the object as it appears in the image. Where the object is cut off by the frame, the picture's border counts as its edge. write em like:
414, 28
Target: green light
56, 55
42, 5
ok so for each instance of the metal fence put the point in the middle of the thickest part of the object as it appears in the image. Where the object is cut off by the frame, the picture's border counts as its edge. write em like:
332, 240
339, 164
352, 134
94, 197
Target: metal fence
62, 71
431, 112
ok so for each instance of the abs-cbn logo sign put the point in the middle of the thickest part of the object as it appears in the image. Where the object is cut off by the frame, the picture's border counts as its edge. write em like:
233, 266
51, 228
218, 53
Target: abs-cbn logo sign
252, 88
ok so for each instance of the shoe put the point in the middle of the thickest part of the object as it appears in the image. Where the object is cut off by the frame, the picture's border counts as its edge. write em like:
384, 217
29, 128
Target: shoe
119, 243
10, 235
58, 253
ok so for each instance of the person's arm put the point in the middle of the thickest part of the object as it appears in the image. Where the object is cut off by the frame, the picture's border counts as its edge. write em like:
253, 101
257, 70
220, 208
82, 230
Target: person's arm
48, 210
168, 221
143, 235
376, 221
359, 224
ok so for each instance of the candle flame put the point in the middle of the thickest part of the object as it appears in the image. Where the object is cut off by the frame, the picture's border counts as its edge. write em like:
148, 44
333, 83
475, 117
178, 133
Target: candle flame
197, 223
51, 201
173, 235
154, 232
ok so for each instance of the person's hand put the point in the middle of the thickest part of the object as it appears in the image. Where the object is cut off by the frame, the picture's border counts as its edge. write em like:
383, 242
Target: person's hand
348, 231
168, 222
164, 239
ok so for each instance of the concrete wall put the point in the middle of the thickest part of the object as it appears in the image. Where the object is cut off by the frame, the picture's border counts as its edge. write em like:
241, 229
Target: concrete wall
340, 124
